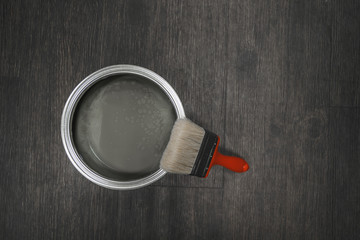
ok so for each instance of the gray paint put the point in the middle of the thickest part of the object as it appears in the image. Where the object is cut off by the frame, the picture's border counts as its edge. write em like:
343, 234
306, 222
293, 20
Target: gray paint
122, 125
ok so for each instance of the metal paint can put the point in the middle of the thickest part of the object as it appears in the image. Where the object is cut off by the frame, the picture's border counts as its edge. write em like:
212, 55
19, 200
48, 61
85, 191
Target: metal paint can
68, 115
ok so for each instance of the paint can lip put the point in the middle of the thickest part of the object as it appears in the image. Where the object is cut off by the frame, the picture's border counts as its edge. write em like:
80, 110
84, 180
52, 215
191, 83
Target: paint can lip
67, 115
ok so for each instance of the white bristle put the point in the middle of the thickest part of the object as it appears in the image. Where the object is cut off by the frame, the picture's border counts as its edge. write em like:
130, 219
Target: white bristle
183, 147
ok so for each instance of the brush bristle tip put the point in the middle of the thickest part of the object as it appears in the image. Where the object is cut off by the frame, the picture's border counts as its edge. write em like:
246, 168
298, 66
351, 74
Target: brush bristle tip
183, 147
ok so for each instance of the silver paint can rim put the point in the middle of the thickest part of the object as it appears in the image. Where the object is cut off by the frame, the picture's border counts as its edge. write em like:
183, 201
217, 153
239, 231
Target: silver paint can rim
69, 109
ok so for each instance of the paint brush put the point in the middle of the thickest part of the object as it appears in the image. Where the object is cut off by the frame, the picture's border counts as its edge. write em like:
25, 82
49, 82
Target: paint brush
193, 150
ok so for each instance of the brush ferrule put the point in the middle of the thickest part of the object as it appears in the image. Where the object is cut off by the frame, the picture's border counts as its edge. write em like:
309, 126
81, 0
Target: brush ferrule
205, 154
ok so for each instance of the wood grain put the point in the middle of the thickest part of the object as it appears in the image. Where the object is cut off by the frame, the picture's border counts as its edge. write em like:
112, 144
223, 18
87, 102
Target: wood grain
277, 80
344, 152
345, 57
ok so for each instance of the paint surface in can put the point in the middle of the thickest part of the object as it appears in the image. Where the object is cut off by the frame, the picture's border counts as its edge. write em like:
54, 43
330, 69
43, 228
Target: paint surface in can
122, 125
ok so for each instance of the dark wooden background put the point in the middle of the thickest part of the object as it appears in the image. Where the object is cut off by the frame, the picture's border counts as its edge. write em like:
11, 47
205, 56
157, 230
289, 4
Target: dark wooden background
278, 80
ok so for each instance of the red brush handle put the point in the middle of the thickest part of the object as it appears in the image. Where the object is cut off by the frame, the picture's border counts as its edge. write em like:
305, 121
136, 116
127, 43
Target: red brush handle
235, 164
